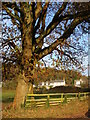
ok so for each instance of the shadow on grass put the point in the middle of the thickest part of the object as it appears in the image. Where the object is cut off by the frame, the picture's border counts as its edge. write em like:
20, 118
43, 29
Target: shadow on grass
7, 100
88, 114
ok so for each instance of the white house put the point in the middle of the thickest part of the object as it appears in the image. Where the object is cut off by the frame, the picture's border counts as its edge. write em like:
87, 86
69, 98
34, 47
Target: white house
52, 83
77, 83
57, 83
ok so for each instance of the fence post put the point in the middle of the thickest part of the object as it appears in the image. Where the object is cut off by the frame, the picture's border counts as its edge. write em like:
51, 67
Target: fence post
79, 95
25, 101
62, 97
65, 99
47, 102
76, 95
85, 95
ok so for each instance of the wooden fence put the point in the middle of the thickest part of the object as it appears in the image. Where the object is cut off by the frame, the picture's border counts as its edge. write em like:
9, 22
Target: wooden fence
35, 100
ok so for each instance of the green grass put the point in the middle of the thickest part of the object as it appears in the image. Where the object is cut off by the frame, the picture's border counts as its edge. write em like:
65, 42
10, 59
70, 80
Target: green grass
7, 95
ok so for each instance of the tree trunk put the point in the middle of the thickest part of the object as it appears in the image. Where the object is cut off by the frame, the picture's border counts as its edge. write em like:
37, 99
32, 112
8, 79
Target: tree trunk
27, 58
21, 92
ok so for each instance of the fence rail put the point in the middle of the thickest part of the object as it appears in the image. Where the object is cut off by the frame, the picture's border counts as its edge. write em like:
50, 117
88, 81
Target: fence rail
35, 100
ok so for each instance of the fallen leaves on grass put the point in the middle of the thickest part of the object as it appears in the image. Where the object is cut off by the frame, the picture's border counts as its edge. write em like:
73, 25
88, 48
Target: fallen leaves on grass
73, 109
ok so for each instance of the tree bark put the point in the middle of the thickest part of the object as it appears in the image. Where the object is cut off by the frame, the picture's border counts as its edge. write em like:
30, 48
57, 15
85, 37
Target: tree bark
21, 92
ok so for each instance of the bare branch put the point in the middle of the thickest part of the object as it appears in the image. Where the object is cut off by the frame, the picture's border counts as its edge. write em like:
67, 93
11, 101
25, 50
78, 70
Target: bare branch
42, 14
67, 33
9, 40
38, 9
12, 5
56, 21
15, 47
13, 17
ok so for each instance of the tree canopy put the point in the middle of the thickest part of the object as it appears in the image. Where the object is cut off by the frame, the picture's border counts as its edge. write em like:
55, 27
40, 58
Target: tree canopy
54, 27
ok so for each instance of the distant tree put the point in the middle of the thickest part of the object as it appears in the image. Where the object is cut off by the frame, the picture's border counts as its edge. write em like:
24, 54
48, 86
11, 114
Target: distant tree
33, 30
9, 71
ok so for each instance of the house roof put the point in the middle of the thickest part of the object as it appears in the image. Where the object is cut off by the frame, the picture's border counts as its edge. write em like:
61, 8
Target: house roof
52, 81
57, 81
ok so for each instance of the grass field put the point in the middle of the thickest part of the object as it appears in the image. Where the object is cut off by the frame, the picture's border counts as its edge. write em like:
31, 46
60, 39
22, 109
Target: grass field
73, 109
8, 95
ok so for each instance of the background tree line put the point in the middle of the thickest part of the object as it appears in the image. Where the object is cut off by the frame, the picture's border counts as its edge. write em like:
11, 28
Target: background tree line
10, 72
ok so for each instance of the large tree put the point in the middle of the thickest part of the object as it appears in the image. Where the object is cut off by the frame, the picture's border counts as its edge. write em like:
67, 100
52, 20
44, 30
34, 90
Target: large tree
33, 30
